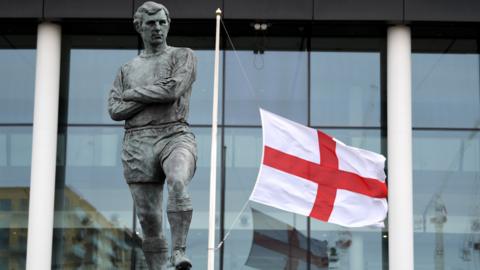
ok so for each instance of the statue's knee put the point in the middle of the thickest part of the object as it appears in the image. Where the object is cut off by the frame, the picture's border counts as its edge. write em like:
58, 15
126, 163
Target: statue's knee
178, 186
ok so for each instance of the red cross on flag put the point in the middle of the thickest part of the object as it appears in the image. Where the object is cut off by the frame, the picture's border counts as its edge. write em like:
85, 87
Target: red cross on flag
307, 172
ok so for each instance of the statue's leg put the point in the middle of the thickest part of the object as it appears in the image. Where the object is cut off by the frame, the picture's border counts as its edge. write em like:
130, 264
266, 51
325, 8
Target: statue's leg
179, 167
148, 199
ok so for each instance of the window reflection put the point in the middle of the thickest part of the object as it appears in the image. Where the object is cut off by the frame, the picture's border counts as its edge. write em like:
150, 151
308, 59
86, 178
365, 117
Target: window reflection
243, 154
273, 80
202, 91
94, 217
93, 171
273, 238
93, 221
345, 88
13, 226
446, 90
17, 74
92, 72
446, 155
455, 179
15, 156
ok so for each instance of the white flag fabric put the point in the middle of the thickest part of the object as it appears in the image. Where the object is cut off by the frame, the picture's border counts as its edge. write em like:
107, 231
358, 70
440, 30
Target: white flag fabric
307, 172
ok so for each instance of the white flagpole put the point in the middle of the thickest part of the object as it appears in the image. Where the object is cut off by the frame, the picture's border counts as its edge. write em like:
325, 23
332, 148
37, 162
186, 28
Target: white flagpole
213, 158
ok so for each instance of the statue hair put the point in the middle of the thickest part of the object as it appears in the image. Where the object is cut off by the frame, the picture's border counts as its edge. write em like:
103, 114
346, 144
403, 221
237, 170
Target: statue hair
149, 8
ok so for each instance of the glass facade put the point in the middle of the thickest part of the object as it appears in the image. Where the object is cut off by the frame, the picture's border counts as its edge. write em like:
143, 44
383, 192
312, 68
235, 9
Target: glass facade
336, 84
446, 153
17, 77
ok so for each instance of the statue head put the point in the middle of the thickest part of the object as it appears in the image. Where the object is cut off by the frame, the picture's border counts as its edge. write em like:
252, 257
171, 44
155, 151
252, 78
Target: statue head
152, 22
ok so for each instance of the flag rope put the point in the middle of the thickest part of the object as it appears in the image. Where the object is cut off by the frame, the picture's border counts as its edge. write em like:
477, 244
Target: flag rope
244, 73
235, 221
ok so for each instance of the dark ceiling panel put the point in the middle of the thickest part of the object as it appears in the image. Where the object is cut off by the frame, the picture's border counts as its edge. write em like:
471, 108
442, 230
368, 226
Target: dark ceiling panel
269, 9
88, 9
21, 8
365, 10
189, 9
442, 10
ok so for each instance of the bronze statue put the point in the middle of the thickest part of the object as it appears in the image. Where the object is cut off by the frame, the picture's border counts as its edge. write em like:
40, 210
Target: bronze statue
152, 93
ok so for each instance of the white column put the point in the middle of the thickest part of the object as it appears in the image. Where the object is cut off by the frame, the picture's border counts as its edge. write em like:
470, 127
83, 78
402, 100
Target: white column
399, 104
44, 148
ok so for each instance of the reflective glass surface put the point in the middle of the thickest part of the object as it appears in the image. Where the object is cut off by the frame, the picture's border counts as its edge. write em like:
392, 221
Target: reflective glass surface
14, 194
17, 75
446, 198
345, 89
94, 210
93, 221
273, 80
15, 156
17, 78
201, 101
446, 90
92, 72
446, 159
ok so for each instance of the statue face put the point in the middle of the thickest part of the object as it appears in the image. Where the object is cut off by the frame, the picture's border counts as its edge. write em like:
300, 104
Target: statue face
154, 28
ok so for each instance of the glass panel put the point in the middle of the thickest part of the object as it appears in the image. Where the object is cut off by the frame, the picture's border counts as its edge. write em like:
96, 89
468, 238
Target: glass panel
273, 80
93, 170
17, 77
92, 72
265, 238
202, 92
15, 158
94, 214
346, 89
17, 74
446, 90
446, 198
